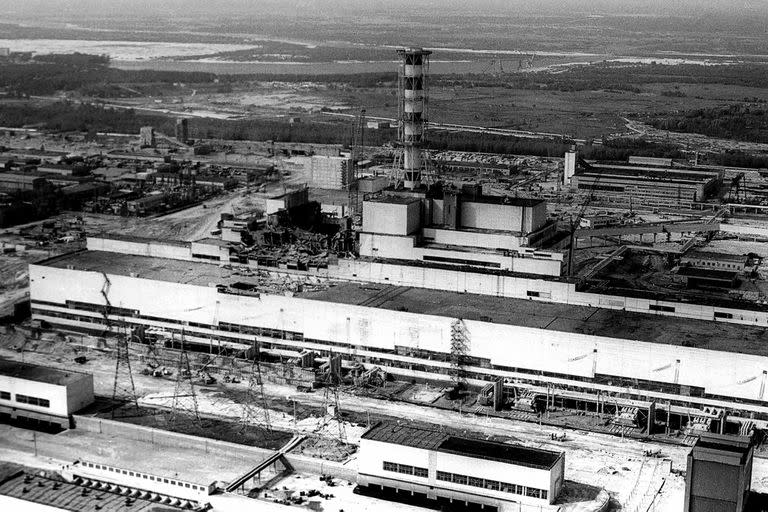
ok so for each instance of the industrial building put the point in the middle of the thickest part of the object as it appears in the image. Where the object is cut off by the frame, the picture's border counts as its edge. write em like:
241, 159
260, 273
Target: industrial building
645, 186
433, 464
715, 261
42, 394
609, 357
182, 130
172, 491
147, 136
14, 182
457, 228
719, 474
64, 169
328, 172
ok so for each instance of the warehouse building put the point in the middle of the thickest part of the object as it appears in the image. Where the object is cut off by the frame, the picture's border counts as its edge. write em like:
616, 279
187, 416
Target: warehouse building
77, 169
42, 394
433, 464
14, 182
600, 354
635, 186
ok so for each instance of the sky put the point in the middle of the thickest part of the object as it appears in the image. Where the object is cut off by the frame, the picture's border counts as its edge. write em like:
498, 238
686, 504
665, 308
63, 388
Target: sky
313, 7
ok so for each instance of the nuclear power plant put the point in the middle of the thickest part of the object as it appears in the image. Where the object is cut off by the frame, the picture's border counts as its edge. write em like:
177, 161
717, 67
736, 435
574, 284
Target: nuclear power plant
394, 321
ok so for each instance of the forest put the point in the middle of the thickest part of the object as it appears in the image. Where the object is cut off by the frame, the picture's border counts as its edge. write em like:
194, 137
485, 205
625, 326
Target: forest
745, 121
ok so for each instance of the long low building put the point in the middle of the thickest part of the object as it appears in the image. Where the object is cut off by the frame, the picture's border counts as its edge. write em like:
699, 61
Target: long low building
646, 186
675, 361
433, 464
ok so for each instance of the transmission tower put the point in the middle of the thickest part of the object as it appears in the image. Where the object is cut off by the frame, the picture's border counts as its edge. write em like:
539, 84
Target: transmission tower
123, 389
255, 393
459, 352
184, 395
331, 395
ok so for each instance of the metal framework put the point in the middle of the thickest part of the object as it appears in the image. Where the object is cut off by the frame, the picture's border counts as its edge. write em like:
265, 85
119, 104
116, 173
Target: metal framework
185, 388
251, 415
459, 352
123, 389
331, 395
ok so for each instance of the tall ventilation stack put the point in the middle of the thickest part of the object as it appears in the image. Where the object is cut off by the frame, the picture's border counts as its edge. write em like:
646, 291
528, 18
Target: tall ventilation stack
412, 111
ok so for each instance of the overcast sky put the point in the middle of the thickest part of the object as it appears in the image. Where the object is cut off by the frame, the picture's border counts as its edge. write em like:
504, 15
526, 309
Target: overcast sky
326, 7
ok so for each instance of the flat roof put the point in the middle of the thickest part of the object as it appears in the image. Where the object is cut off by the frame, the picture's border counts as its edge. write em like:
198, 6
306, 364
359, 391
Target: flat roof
500, 452
438, 440
616, 323
140, 239
39, 373
643, 175
707, 255
395, 199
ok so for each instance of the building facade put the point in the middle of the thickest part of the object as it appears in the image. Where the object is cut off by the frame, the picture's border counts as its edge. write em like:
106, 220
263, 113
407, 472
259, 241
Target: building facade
41, 393
447, 468
608, 354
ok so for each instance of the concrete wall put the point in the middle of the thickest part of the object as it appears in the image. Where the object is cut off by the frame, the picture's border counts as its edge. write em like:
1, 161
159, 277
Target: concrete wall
404, 248
472, 238
505, 217
80, 393
376, 245
153, 248
391, 218
210, 250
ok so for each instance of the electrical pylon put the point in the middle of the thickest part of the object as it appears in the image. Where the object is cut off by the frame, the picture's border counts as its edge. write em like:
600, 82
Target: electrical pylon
184, 395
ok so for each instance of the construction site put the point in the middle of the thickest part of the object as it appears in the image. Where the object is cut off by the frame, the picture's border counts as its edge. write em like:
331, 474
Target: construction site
570, 326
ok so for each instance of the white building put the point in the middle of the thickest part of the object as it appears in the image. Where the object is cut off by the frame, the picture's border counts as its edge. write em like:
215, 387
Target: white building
166, 490
617, 351
41, 393
491, 232
448, 468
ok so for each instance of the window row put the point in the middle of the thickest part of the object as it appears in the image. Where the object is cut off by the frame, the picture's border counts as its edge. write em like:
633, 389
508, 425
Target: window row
31, 400
143, 475
406, 470
492, 485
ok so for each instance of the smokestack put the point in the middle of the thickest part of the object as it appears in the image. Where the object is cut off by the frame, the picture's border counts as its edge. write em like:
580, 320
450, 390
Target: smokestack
412, 111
